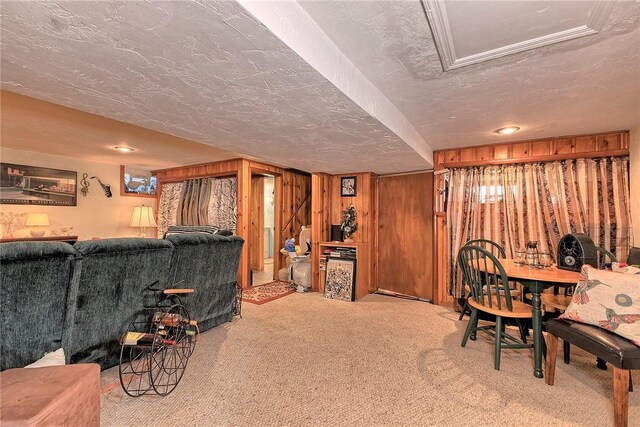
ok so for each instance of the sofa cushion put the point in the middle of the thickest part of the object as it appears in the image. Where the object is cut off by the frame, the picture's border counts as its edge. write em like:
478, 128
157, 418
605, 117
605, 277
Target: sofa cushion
114, 275
208, 264
623, 267
606, 345
609, 300
55, 358
34, 280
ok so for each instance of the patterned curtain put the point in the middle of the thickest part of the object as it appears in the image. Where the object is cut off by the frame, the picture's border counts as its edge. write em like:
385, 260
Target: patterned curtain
193, 208
221, 210
223, 205
168, 208
513, 204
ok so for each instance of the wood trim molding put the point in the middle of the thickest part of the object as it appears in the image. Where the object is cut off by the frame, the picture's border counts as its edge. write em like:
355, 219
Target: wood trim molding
607, 144
538, 159
196, 166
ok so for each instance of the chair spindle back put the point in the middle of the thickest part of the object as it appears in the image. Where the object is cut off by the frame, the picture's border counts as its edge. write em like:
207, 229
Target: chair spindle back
486, 277
495, 249
604, 257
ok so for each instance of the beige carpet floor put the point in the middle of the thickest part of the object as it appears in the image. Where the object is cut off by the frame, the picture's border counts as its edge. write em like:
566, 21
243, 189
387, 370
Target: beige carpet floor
305, 360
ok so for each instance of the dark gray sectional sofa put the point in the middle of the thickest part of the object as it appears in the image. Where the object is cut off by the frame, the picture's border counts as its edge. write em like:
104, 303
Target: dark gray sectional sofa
203, 258
82, 297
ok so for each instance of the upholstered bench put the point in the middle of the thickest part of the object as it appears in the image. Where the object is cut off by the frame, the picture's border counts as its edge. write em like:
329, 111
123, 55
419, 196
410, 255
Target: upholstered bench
56, 395
618, 351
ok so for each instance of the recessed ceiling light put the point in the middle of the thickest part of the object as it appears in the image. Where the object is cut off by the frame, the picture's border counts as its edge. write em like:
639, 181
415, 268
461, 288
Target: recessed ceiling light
124, 149
508, 130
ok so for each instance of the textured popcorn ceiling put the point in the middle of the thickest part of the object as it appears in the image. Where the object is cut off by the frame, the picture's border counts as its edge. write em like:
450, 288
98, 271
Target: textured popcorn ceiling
341, 86
204, 71
591, 84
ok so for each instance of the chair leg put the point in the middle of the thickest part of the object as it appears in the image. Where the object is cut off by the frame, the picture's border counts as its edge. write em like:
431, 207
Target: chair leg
567, 352
465, 307
470, 326
620, 397
474, 334
552, 354
523, 334
630, 382
498, 348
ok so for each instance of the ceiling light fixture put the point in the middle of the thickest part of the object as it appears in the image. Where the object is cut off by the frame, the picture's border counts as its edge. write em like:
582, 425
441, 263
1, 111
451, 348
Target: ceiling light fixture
508, 130
124, 149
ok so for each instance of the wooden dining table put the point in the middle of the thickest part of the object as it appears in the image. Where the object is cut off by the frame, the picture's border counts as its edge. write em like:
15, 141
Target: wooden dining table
537, 280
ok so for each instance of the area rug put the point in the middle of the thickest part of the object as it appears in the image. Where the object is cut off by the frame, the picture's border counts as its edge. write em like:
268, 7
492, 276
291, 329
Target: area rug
262, 294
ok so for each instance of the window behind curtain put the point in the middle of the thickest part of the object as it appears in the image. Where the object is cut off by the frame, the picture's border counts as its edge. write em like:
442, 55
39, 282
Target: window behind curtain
513, 204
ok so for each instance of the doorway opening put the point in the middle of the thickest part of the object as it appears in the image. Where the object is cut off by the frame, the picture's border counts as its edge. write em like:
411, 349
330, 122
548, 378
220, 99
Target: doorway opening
263, 223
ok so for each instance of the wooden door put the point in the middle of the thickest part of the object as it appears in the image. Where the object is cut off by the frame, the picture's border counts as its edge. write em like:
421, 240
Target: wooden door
405, 236
256, 232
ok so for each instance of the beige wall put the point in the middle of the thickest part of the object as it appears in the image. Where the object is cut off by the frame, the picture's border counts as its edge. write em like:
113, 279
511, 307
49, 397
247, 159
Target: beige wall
96, 215
634, 166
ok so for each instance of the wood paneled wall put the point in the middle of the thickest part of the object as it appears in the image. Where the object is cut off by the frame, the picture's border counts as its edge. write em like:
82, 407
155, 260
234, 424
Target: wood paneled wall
289, 186
256, 256
224, 168
364, 202
405, 255
320, 221
327, 207
543, 150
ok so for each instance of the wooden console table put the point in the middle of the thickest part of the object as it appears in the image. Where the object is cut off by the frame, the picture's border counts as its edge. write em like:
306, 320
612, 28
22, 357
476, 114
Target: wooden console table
66, 239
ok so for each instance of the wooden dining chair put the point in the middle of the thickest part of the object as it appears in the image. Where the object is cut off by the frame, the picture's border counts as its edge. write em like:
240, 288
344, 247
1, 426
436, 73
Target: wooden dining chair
490, 293
555, 301
604, 257
496, 250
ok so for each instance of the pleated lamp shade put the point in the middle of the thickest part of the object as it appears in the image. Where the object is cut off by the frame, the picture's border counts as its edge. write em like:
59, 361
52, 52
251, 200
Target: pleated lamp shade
142, 216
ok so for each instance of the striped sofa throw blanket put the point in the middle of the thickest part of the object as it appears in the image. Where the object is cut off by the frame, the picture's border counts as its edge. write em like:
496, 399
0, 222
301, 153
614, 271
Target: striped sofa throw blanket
181, 229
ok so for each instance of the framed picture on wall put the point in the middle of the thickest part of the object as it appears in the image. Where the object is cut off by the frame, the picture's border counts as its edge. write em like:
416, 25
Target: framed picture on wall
34, 185
137, 183
340, 279
348, 186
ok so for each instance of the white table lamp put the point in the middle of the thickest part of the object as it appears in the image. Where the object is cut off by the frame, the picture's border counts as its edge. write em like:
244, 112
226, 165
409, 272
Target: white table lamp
37, 220
142, 216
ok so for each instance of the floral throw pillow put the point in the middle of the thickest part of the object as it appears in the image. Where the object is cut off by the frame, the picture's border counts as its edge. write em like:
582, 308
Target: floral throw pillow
609, 300
621, 267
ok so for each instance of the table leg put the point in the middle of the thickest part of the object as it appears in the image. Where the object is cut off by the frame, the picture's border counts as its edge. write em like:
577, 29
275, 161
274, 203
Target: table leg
537, 333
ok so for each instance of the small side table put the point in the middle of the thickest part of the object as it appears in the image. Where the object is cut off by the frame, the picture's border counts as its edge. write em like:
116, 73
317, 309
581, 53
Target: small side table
55, 395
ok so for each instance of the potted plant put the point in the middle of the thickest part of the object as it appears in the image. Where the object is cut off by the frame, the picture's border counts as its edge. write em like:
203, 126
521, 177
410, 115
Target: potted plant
349, 224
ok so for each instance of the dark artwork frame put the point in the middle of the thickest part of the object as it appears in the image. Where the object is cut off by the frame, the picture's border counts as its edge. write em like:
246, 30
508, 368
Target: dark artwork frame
340, 285
38, 186
348, 186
